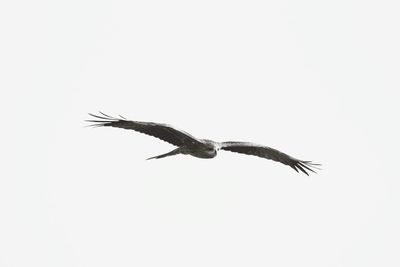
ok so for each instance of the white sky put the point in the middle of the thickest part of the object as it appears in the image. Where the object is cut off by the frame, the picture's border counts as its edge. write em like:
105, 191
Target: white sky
318, 80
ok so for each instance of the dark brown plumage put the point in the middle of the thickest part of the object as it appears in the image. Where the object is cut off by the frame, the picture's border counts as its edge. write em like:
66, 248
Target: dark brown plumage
201, 148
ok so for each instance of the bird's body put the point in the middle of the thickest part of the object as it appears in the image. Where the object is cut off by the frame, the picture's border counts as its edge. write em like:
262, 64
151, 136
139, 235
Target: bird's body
207, 150
200, 148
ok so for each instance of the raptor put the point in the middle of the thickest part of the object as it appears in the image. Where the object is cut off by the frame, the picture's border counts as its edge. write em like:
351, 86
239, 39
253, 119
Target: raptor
200, 148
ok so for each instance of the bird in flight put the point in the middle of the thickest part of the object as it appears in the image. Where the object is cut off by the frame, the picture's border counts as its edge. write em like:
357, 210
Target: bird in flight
200, 148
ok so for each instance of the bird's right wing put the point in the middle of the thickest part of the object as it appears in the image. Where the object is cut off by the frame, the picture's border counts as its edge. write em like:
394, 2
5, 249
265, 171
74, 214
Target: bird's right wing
164, 132
269, 153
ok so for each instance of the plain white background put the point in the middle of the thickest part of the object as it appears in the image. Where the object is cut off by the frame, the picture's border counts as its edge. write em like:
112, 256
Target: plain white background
318, 80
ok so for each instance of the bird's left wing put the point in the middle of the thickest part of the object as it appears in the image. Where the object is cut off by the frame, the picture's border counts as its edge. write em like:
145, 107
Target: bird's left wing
164, 132
269, 153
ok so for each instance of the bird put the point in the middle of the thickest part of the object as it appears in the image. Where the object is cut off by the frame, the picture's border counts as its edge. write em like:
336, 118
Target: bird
200, 148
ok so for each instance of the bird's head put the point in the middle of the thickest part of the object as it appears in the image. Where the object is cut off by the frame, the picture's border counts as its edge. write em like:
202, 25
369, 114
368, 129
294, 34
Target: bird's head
212, 151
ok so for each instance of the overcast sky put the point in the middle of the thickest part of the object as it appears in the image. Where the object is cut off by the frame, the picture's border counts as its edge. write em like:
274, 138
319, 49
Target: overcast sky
318, 80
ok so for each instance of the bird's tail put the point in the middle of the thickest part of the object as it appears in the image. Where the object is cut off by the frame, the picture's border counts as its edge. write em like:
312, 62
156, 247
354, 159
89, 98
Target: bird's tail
171, 153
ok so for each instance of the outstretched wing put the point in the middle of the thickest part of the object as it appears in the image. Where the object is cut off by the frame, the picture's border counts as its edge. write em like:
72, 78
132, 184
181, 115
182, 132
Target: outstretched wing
269, 153
164, 132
